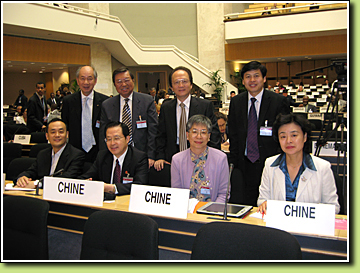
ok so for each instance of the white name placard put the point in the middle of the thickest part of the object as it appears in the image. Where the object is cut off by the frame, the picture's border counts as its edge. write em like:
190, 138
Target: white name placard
317, 116
84, 192
321, 100
327, 150
22, 139
299, 109
301, 217
162, 201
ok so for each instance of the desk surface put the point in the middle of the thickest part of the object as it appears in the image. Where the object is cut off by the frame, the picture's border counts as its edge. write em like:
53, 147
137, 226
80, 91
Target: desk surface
183, 231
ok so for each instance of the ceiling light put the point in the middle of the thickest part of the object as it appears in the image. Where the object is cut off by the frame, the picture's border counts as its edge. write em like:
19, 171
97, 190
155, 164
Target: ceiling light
24, 71
41, 71
32, 63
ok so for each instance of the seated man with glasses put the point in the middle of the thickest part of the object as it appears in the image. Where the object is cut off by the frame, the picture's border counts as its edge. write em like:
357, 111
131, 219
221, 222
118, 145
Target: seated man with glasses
202, 169
120, 164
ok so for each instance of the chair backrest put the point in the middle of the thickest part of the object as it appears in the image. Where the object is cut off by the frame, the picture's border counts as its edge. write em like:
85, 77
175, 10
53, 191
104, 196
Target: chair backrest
235, 241
35, 149
340, 192
117, 235
25, 228
237, 187
38, 137
17, 166
11, 151
87, 165
160, 178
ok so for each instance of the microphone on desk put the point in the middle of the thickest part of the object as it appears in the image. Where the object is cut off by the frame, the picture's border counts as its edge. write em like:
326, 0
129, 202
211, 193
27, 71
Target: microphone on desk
42, 179
227, 191
226, 197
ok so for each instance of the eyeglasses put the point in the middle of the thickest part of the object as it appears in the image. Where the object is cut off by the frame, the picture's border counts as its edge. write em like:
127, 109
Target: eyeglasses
183, 81
197, 132
115, 139
126, 81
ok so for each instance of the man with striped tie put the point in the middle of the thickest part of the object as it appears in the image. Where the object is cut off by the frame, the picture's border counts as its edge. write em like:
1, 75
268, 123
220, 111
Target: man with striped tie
136, 110
174, 114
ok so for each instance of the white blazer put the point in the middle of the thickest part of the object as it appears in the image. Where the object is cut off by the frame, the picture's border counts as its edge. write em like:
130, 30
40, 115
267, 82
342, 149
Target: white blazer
314, 186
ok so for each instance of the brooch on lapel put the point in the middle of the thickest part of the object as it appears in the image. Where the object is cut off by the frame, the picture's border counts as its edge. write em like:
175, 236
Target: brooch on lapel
303, 179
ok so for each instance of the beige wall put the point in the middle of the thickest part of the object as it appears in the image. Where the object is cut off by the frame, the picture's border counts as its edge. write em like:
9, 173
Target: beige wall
160, 23
13, 82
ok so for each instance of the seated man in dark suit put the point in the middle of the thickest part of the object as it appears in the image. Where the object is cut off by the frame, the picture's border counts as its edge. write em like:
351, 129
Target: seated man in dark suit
308, 107
60, 155
120, 165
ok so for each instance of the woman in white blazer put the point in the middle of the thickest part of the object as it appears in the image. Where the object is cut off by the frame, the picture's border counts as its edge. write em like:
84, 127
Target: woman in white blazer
295, 175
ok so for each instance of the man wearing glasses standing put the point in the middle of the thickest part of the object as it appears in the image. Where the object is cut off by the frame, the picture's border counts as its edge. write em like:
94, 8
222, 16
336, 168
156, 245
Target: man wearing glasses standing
120, 165
171, 137
135, 109
81, 112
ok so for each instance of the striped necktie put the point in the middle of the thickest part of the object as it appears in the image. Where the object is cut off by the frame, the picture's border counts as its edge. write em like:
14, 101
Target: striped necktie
182, 129
126, 118
252, 143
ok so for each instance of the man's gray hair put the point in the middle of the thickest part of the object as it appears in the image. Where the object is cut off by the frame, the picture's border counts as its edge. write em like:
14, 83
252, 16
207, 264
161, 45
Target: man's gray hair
199, 119
78, 71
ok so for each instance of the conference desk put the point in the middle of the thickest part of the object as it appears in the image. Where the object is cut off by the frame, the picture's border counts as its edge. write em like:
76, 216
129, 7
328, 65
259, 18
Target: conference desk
178, 234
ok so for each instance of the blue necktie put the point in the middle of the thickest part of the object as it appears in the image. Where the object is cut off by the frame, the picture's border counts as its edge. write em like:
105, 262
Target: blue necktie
252, 141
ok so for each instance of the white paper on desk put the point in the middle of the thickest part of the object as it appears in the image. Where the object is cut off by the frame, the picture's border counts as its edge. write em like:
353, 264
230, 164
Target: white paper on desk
10, 187
192, 204
258, 215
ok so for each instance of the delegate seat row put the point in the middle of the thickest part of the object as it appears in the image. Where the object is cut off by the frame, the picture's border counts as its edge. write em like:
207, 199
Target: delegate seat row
117, 235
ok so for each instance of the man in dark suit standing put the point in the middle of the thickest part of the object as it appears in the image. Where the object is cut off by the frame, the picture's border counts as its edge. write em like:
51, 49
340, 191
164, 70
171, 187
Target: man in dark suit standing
81, 112
52, 100
135, 109
61, 155
21, 100
120, 165
168, 140
250, 120
37, 109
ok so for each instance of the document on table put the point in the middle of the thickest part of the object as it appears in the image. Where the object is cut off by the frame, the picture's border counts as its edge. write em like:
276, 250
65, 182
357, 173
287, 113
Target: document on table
10, 187
258, 215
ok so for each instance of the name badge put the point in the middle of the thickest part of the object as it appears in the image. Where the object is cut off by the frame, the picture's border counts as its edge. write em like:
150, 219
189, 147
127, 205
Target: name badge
265, 131
162, 201
141, 124
301, 217
97, 125
205, 191
127, 180
77, 191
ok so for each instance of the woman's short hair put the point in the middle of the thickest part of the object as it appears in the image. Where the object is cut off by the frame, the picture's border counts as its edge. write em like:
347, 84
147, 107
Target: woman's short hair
199, 119
297, 119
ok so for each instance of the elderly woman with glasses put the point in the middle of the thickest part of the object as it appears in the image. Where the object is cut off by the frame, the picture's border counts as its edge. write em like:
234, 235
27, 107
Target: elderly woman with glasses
295, 175
202, 169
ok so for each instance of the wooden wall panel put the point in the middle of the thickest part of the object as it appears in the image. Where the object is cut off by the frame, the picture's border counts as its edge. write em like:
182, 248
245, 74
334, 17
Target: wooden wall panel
271, 70
334, 44
34, 50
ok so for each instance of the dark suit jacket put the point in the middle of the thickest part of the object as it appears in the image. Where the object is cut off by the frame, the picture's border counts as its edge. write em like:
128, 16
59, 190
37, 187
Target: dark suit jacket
312, 107
166, 145
49, 101
143, 105
135, 163
71, 160
35, 113
71, 114
271, 105
21, 100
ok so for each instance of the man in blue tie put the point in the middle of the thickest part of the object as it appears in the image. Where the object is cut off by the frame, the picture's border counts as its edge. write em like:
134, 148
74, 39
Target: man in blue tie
250, 120
81, 111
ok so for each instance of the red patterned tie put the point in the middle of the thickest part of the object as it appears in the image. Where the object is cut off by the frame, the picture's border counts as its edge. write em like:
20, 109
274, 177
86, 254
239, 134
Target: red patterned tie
117, 173
252, 141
